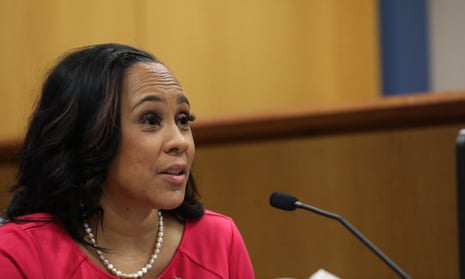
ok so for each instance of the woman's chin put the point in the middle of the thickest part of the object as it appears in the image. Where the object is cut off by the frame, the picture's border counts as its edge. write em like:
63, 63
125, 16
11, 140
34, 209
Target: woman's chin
172, 202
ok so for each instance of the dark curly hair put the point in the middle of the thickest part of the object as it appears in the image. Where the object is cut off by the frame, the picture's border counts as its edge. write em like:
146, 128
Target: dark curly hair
73, 136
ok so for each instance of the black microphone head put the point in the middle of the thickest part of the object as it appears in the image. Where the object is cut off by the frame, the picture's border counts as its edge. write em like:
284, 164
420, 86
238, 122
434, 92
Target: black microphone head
283, 201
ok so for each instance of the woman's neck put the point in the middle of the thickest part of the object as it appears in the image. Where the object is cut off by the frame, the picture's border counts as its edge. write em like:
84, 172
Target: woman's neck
129, 225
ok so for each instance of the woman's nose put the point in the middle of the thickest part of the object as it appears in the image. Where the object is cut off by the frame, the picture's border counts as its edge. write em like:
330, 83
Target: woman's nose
177, 140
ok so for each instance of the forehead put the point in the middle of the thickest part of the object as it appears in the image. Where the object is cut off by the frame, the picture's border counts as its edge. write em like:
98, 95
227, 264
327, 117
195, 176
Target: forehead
149, 75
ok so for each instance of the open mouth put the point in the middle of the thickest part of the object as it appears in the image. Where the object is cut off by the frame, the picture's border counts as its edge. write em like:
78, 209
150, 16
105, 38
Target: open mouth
176, 175
174, 172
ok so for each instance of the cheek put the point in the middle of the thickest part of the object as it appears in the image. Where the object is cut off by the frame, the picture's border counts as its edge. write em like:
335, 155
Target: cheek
132, 167
135, 155
141, 154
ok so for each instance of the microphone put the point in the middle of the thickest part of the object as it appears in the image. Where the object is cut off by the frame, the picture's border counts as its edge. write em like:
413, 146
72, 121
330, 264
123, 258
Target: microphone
289, 202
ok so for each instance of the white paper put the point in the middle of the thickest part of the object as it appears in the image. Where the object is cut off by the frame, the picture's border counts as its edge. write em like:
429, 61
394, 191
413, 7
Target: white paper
323, 274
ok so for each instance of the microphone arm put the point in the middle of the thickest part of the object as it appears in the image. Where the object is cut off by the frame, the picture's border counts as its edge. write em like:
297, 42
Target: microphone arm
358, 234
288, 202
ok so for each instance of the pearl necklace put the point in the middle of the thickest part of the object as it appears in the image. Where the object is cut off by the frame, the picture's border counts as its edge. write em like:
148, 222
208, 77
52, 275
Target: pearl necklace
112, 268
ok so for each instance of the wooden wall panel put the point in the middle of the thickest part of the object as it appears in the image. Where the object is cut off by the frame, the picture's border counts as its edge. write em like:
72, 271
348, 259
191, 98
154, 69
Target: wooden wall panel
38, 32
237, 57
231, 56
397, 187
7, 178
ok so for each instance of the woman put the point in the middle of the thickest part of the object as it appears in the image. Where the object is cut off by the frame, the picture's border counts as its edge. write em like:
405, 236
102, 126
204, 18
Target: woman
105, 188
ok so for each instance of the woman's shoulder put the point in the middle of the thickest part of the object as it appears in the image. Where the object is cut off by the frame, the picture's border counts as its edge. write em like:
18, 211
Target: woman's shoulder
33, 229
214, 219
212, 226
27, 223
213, 215
42, 243
212, 232
35, 232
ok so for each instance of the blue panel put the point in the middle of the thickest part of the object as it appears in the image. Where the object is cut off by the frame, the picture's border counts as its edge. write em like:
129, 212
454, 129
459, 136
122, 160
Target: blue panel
404, 43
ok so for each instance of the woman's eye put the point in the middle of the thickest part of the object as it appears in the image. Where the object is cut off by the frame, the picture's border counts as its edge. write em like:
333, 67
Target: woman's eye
184, 119
150, 119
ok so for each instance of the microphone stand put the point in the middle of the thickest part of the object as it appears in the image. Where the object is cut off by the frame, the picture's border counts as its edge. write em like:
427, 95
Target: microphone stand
358, 234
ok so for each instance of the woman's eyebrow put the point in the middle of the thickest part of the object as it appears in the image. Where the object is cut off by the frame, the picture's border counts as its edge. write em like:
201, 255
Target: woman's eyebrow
150, 98
183, 99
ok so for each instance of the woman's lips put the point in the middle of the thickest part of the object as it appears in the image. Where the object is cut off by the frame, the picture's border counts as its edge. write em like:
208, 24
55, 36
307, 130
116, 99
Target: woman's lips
174, 174
177, 179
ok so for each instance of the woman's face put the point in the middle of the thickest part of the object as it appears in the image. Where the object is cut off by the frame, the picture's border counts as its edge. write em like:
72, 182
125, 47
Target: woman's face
155, 154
